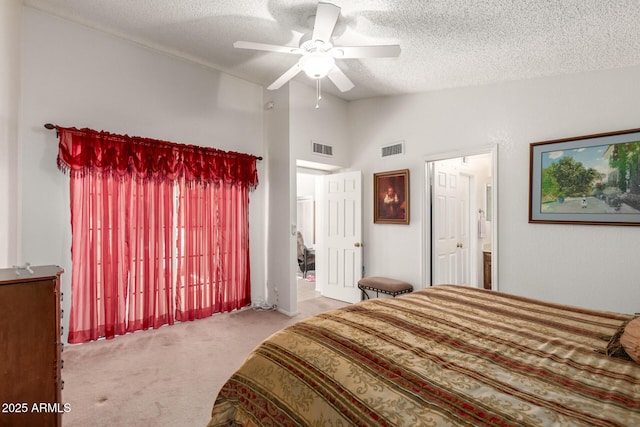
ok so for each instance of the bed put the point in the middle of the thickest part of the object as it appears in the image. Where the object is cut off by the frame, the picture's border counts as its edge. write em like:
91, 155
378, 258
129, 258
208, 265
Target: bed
443, 356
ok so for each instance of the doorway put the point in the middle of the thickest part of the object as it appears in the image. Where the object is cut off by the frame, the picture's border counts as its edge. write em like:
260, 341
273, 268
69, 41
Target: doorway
306, 233
461, 221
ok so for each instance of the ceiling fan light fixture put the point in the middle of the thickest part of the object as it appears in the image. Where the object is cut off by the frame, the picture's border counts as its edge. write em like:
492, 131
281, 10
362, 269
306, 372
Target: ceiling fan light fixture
317, 64
318, 53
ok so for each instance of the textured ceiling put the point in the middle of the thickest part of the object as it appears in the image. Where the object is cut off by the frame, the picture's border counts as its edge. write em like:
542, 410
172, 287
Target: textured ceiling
445, 43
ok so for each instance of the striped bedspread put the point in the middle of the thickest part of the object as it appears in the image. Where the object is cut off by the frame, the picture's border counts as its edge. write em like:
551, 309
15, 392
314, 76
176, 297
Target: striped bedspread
443, 356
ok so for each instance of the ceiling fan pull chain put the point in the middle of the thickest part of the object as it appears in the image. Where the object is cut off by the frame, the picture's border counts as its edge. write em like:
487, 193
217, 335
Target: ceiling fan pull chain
318, 97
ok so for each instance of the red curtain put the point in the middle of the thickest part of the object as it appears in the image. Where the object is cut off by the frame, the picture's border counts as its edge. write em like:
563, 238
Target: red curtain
122, 204
148, 241
81, 151
121, 257
99, 269
213, 250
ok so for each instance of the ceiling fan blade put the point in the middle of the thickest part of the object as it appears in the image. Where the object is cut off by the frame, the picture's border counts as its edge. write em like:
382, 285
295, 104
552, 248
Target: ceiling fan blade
288, 75
340, 79
383, 51
267, 47
326, 18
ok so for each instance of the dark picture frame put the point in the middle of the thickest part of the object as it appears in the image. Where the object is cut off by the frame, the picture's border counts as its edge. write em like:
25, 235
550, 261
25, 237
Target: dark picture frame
592, 179
391, 197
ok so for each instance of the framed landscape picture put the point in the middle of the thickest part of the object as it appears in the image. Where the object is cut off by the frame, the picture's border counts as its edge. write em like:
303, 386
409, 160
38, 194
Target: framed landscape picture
391, 197
593, 179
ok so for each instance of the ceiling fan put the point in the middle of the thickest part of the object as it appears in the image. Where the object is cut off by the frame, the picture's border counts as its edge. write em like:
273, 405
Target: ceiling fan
319, 55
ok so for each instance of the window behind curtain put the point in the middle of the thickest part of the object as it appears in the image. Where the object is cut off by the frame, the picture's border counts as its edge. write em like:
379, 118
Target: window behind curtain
149, 243
213, 250
121, 256
122, 213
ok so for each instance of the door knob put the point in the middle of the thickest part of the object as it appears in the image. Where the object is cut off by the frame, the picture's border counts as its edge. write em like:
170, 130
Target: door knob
357, 244
459, 245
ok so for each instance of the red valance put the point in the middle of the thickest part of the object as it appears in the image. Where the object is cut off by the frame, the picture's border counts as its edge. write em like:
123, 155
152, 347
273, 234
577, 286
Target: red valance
86, 150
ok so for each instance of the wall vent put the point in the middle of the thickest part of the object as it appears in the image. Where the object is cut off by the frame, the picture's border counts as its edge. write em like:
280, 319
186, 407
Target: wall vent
394, 149
322, 149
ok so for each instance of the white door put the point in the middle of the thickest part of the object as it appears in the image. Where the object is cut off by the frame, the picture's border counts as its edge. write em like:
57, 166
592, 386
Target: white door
339, 236
451, 254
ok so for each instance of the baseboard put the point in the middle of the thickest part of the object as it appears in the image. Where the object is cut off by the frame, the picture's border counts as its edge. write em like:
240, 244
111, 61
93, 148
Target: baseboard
288, 313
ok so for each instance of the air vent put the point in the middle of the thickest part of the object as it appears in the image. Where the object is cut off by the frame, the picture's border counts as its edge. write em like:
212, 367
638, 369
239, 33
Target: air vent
322, 149
392, 149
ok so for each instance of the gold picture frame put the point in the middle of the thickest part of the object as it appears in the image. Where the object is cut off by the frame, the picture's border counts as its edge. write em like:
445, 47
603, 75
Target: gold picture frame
391, 197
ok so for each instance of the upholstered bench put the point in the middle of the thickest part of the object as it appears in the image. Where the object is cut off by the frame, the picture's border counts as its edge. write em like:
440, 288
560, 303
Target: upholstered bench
383, 285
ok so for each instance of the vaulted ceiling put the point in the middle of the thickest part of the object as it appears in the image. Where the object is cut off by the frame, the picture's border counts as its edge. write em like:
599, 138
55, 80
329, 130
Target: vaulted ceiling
444, 43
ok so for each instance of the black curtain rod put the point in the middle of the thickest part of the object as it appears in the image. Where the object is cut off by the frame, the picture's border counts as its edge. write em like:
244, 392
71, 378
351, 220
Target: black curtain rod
52, 126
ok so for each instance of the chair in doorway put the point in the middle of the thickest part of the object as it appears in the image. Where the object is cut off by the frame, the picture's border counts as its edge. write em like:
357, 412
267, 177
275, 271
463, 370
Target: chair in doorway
306, 257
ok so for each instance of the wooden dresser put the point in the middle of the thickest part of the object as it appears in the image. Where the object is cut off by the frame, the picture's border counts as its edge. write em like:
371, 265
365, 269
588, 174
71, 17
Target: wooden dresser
30, 347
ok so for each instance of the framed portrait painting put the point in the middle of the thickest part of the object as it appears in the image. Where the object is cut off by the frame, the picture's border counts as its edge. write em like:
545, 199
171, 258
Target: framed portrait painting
593, 179
391, 197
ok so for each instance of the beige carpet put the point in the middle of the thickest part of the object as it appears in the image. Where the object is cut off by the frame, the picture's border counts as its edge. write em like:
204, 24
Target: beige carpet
170, 376
306, 289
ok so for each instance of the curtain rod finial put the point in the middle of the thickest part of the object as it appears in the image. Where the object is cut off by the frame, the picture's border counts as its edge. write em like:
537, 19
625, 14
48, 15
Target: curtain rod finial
49, 126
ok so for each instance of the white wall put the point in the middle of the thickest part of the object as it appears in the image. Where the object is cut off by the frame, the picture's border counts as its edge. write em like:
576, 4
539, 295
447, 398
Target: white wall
306, 184
592, 266
74, 76
306, 206
326, 125
290, 126
281, 179
10, 44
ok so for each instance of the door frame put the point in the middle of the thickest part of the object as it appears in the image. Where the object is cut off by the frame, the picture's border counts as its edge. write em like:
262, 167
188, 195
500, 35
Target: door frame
316, 169
427, 212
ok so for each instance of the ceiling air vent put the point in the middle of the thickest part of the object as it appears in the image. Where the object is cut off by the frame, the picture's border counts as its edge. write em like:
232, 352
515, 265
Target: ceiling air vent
392, 149
322, 149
